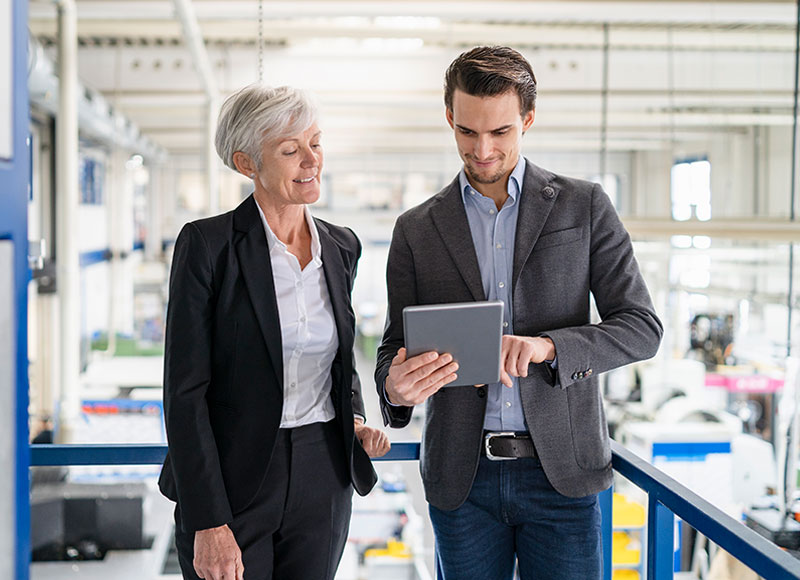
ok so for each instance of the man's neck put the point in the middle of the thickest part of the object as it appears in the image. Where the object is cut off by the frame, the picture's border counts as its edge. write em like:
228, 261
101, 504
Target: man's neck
497, 191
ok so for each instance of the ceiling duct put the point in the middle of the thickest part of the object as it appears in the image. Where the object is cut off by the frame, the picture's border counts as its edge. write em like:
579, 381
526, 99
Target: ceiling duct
97, 119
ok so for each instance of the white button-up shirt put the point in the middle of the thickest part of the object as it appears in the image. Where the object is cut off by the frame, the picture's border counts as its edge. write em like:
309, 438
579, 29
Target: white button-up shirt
308, 331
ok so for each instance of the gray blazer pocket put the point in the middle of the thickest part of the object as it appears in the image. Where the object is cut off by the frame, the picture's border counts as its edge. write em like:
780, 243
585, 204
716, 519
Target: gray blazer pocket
559, 237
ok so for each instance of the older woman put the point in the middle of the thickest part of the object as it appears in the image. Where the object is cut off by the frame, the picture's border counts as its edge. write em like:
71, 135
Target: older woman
262, 401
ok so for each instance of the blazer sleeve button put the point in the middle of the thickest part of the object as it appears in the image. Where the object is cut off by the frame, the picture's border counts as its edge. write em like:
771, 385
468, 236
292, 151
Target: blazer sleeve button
574, 376
589, 373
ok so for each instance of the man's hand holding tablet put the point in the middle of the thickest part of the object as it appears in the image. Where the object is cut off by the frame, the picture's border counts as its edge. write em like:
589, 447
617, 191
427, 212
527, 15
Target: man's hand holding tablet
412, 380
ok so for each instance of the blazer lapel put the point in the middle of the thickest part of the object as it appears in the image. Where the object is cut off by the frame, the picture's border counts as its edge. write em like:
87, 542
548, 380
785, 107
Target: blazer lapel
256, 269
450, 219
535, 205
336, 280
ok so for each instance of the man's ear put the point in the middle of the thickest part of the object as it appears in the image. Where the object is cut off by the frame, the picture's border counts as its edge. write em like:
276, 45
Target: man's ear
527, 120
448, 114
244, 164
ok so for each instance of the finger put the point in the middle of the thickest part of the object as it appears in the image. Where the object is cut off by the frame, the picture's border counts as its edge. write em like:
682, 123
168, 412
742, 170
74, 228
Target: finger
510, 363
400, 357
417, 363
427, 392
432, 372
240, 571
505, 379
230, 570
438, 374
479, 386
523, 361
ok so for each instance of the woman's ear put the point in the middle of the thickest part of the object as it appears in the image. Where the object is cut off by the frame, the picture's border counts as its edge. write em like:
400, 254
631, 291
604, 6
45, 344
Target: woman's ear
244, 164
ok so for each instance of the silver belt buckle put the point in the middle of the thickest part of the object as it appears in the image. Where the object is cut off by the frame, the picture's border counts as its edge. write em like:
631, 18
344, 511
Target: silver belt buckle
487, 442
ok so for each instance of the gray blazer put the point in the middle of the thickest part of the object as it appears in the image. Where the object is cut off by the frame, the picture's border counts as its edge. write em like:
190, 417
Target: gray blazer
569, 243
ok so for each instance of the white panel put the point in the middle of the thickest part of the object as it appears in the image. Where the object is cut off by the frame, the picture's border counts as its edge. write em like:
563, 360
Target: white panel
7, 410
6, 62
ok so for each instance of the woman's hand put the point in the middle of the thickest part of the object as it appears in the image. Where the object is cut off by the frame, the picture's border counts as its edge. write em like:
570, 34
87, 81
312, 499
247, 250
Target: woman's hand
374, 441
217, 555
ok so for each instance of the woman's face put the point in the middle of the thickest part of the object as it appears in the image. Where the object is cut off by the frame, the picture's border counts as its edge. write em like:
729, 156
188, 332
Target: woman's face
291, 168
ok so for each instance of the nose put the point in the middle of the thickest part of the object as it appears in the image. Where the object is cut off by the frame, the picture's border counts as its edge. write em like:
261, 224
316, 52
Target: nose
310, 157
483, 147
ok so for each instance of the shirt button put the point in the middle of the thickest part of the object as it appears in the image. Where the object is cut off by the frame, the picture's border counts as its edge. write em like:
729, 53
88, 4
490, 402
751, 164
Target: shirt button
498, 246
491, 212
508, 403
302, 319
502, 284
505, 325
293, 385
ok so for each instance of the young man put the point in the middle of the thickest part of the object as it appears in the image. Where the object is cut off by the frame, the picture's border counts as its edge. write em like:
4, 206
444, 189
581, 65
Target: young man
540, 242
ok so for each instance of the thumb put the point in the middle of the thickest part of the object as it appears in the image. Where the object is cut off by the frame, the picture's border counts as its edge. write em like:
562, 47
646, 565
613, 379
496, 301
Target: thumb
400, 357
505, 379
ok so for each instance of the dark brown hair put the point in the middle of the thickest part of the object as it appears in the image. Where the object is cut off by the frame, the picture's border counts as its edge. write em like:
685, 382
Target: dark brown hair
487, 71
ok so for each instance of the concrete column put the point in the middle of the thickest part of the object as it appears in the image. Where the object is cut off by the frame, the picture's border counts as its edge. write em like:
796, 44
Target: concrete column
67, 256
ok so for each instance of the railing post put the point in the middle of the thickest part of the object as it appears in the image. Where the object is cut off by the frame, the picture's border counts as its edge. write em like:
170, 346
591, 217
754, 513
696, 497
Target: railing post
607, 522
660, 540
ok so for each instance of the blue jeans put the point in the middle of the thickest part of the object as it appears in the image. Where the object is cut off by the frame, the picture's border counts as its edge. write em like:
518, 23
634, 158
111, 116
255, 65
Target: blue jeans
514, 514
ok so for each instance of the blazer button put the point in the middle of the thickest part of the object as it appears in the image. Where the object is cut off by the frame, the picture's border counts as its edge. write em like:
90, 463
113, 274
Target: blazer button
548, 192
481, 392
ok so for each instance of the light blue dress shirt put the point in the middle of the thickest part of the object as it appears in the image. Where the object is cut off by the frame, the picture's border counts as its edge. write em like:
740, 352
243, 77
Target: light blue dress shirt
494, 234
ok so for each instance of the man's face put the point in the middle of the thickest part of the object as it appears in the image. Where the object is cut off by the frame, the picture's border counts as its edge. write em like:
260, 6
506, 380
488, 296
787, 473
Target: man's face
488, 134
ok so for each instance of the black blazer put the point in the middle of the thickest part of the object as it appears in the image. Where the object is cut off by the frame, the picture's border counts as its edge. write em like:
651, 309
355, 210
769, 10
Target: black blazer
223, 365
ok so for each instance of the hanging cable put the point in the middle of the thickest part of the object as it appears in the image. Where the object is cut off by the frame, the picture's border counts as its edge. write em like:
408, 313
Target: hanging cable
260, 46
604, 109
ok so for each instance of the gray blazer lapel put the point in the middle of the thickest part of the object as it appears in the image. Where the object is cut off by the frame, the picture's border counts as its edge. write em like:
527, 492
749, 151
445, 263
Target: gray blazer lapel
256, 268
450, 219
538, 196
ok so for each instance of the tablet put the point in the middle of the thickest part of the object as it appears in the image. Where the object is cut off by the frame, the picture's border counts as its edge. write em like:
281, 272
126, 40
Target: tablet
470, 331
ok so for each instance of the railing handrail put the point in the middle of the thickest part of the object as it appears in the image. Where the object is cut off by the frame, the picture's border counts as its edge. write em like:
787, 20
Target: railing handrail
755, 551
752, 549
151, 453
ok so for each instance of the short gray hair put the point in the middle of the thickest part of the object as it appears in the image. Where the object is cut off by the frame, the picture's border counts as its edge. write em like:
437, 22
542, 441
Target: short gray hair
257, 114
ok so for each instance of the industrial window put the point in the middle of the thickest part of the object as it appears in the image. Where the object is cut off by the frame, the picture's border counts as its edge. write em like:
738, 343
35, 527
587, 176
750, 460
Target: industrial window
691, 190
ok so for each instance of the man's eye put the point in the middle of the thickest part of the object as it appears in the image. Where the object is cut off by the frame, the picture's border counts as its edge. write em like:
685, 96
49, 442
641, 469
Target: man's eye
287, 153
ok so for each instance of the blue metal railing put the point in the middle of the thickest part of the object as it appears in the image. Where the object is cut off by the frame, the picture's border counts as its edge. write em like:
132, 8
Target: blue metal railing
667, 499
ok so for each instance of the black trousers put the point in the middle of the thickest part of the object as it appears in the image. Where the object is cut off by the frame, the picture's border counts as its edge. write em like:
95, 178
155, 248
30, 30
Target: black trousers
297, 525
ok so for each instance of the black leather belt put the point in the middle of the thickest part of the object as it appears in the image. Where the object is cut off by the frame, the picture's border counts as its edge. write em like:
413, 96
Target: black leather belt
505, 445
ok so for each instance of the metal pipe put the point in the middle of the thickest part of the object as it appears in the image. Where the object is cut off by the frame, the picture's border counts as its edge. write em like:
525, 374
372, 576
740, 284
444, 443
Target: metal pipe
604, 108
194, 40
67, 256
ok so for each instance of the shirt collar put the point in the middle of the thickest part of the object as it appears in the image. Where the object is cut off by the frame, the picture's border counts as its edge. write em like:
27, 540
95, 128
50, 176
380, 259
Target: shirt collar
514, 181
273, 241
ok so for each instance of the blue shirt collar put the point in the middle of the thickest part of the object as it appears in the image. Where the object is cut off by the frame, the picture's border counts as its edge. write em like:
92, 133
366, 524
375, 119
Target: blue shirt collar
514, 181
